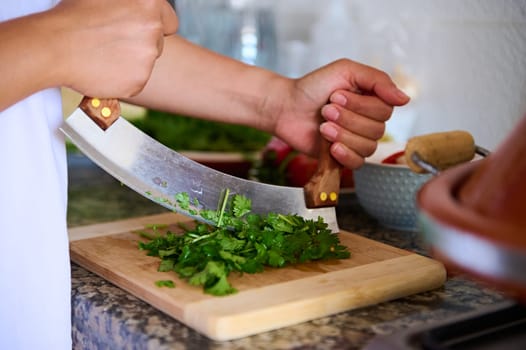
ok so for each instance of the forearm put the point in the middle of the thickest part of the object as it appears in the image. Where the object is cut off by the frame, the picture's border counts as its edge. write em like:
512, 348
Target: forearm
28, 60
191, 80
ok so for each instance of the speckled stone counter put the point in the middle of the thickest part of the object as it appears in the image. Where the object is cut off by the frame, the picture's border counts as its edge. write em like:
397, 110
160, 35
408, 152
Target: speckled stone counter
106, 317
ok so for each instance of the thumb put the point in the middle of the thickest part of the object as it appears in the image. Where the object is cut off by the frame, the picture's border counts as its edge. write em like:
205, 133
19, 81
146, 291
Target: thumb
373, 81
391, 94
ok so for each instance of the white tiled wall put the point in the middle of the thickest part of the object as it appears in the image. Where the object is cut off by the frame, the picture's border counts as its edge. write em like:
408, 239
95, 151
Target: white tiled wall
465, 59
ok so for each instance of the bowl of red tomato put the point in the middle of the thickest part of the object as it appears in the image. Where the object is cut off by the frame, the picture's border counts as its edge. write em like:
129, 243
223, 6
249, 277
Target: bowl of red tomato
280, 164
386, 188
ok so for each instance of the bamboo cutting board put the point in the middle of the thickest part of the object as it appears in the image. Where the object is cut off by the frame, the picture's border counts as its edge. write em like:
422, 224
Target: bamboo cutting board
273, 299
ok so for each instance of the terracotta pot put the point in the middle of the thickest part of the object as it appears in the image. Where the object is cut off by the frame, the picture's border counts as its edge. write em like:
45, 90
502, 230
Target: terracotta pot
474, 216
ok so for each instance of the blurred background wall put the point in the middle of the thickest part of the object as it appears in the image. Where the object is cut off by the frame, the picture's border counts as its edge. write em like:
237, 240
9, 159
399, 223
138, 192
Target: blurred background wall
463, 61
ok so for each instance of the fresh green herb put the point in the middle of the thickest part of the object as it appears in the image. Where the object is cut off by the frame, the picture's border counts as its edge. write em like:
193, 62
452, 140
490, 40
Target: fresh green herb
165, 283
240, 241
181, 132
156, 226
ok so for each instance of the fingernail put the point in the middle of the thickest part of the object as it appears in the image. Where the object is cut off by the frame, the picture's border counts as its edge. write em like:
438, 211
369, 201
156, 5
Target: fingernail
330, 113
402, 95
328, 131
339, 99
339, 150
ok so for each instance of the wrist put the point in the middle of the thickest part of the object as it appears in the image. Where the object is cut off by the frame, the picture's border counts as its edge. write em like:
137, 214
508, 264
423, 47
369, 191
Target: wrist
274, 96
58, 39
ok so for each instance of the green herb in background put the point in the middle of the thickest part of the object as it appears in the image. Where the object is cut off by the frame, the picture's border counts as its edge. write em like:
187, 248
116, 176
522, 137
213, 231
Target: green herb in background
240, 241
192, 134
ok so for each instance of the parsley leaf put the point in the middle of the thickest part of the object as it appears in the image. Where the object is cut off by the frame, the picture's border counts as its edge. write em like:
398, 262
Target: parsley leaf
165, 283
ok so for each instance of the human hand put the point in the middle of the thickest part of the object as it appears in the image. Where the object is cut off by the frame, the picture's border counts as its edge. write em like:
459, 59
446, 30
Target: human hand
345, 102
110, 47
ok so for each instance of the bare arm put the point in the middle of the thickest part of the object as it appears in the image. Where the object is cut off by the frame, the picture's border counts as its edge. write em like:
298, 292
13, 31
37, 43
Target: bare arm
195, 81
29, 60
346, 102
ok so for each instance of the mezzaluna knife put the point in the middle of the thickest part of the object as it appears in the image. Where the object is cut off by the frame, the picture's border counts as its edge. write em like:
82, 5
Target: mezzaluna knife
159, 173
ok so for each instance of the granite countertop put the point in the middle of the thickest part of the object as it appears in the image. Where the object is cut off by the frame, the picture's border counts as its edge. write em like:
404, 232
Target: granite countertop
106, 317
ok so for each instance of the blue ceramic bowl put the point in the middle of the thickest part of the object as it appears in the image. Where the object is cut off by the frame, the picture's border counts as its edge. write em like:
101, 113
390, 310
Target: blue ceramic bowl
387, 192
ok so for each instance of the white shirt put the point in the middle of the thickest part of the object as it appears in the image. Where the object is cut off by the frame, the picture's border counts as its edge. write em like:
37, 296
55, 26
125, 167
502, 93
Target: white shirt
35, 285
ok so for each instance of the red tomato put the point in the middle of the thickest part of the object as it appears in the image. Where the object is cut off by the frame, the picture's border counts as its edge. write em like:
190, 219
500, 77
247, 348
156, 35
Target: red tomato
300, 169
284, 166
276, 150
394, 158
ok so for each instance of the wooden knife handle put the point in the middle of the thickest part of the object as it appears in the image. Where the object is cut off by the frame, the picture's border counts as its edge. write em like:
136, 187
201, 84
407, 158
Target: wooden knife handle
104, 112
323, 189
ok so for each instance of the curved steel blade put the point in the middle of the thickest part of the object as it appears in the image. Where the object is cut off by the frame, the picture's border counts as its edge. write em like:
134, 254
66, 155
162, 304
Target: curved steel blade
159, 173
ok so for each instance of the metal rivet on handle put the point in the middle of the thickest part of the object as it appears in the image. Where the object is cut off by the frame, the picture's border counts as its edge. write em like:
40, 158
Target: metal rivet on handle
323, 196
95, 102
333, 196
105, 112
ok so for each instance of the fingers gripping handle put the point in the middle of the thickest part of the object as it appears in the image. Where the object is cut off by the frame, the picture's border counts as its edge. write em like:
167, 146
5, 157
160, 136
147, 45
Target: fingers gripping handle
323, 189
104, 112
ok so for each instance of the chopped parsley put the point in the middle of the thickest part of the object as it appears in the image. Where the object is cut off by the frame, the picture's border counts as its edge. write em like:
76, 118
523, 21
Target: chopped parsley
239, 241
165, 283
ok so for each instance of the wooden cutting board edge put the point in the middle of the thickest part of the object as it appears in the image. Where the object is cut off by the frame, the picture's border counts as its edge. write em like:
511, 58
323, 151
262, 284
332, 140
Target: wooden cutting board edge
266, 303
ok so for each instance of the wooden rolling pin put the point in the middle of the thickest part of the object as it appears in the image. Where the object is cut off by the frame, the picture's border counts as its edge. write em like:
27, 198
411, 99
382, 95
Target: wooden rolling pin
439, 151
497, 188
